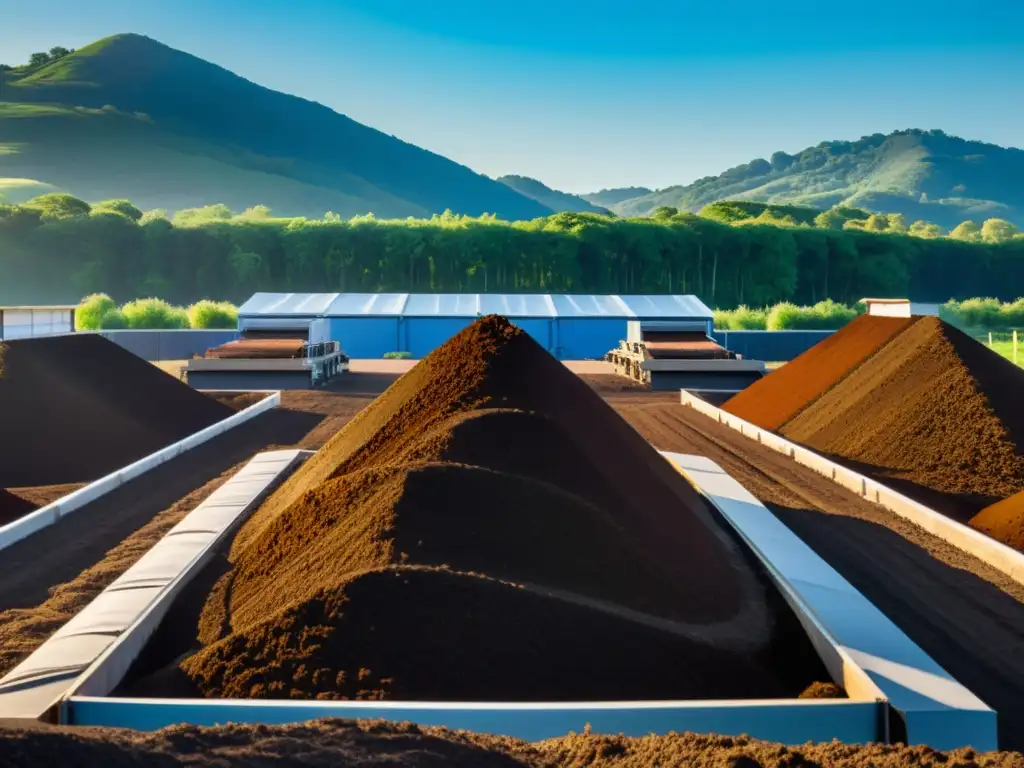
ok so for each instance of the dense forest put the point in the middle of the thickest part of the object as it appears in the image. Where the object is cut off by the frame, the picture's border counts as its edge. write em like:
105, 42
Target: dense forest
59, 248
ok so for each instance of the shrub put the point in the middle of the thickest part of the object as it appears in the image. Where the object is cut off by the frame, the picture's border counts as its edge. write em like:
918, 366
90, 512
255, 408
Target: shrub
213, 314
154, 314
91, 311
824, 316
1012, 314
743, 318
398, 355
112, 319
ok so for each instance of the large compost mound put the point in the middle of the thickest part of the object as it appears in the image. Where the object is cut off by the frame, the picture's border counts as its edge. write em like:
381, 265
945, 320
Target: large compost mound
12, 507
76, 407
772, 401
490, 528
1003, 520
934, 409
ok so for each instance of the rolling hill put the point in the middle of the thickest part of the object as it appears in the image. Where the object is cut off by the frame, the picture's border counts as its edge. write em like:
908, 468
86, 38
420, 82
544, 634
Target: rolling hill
609, 198
921, 174
550, 198
130, 117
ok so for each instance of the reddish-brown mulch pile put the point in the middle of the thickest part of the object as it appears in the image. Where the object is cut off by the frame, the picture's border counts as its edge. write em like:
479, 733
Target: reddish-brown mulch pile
386, 745
772, 401
253, 349
1003, 520
490, 528
74, 408
684, 346
934, 410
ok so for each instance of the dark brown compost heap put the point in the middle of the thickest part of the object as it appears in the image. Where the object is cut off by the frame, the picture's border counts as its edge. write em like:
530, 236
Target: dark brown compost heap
373, 744
933, 410
490, 529
12, 507
1003, 520
684, 346
74, 408
778, 397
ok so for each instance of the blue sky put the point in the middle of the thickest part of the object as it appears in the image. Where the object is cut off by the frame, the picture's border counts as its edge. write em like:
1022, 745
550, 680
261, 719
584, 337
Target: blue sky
595, 94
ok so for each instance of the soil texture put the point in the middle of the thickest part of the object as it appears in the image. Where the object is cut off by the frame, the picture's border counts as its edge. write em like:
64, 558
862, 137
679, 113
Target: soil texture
77, 407
488, 460
775, 399
375, 744
932, 412
1003, 520
684, 346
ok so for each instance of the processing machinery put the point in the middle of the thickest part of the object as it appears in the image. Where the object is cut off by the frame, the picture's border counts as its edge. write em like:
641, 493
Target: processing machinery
272, 353
673, 355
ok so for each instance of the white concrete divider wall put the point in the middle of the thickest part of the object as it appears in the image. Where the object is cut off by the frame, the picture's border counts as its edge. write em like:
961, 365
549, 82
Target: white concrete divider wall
105, 637
862, 648
985, 548
46, 516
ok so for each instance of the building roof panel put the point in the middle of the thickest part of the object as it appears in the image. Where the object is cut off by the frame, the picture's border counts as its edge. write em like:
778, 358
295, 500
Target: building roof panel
476, 304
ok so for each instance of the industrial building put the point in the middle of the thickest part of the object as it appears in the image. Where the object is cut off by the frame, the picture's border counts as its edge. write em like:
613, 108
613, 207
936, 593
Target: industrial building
570, 327
27, 321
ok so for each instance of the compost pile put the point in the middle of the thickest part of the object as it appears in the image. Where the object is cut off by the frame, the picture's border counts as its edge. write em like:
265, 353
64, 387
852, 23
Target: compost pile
12, 507
933, 408
915, 403
490, 529
375, 744
772, 401
259, 348
76, 407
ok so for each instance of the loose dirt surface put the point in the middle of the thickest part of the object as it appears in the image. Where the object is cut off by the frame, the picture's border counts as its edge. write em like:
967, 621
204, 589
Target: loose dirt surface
255, 349
383, 745
76, 407
932, 412
772, 401
966, 615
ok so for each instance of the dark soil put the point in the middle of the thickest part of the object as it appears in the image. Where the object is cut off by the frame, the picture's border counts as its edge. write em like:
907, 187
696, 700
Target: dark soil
932, 409
77, 407
445, 468
1003, 520
12, 507
778, 397
330, 743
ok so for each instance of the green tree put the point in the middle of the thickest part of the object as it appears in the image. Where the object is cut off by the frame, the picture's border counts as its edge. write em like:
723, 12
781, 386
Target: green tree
58, 52
58, 207
124, 207
968, 232
925, 229
830, 219
38, 59
898, 223
877, 222
998, 231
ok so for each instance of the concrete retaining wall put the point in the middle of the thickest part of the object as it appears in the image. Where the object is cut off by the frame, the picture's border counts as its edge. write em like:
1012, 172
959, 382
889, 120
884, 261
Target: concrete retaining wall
50, 514
985, 548
862, 648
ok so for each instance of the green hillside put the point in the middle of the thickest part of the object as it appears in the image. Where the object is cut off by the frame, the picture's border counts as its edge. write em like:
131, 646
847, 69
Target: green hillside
170, 130
608, 198
920, 174
559, 202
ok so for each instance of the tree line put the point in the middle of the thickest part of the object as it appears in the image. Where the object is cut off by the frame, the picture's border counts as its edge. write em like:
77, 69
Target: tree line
57, 248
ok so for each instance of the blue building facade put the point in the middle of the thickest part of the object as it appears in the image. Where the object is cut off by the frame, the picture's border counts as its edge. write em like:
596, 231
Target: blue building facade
570, 327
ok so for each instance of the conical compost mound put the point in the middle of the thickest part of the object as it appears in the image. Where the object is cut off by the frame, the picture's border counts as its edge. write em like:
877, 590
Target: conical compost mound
490, 528
772, 401
934, 409
74, 408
